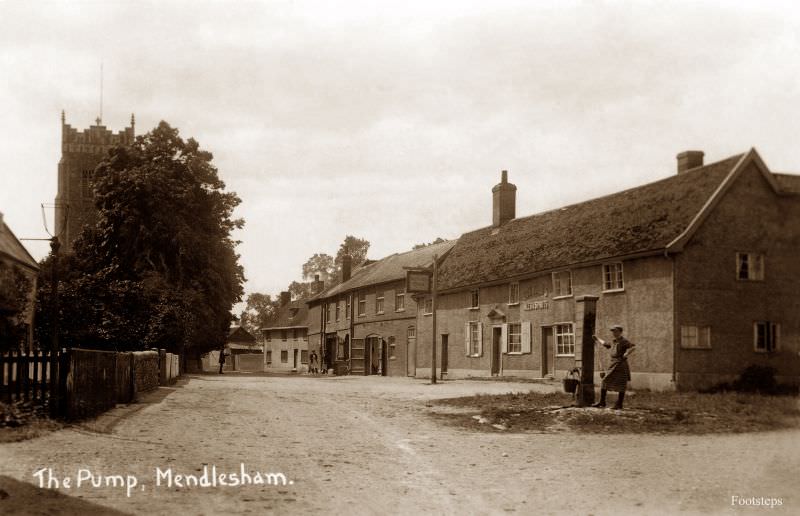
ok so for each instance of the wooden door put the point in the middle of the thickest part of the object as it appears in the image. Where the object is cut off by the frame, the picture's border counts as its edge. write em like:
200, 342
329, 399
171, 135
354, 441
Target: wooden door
444, 353
497, 332
548, 353
411, 351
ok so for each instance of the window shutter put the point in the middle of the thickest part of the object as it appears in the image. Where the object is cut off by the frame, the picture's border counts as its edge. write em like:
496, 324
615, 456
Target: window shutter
466, 339
480, 339
504, 337
526, 337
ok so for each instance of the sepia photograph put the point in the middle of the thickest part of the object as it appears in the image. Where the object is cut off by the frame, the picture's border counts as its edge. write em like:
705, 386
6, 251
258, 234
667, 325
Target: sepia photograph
364, 257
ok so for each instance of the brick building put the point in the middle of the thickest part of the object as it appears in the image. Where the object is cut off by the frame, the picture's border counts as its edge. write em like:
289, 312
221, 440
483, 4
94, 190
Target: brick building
367, 324
286, 340
81, 152
701, 268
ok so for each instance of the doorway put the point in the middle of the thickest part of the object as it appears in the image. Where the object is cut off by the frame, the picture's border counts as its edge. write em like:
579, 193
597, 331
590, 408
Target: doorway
411, 351
444, 354
330, 351
294, 363
548, 353
497, 333
376, 356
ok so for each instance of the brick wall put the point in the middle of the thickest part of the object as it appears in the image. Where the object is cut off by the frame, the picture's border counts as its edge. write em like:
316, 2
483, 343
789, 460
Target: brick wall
644, 308
146, 370
749, 218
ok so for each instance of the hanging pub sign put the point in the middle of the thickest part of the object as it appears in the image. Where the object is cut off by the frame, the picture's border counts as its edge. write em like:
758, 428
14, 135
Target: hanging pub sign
418, 282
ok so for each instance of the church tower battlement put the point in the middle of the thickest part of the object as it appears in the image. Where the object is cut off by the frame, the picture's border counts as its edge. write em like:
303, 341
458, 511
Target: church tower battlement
81, 152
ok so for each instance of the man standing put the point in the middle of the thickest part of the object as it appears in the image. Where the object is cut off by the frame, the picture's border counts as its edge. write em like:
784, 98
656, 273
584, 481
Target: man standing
221, 359
619, 373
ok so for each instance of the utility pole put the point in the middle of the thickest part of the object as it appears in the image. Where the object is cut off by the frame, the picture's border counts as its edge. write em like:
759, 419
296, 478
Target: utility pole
433, 309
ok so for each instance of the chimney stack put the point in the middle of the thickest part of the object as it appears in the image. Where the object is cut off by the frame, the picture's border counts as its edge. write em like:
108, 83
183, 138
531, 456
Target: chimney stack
285, 298
347, 263
687, 160
317, 286
504, 201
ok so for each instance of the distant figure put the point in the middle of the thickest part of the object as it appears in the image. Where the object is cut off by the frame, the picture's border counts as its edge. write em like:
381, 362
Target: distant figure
313, 363
619, 373
221, 360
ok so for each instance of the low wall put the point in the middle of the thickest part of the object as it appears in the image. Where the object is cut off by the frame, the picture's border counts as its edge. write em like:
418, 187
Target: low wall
146, 370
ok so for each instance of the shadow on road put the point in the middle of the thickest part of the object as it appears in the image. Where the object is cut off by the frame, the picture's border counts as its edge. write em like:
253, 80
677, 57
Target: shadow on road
22, 498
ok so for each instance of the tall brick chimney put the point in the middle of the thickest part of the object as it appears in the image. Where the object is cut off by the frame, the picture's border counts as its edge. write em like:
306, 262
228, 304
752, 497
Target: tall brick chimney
504, 201
347, 264
687, 160
285, 298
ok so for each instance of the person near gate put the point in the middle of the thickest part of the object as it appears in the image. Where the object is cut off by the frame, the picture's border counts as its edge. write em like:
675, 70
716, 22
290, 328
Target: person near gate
618, 374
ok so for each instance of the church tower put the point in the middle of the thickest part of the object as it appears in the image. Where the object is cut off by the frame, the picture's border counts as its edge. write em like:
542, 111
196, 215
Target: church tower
81, 152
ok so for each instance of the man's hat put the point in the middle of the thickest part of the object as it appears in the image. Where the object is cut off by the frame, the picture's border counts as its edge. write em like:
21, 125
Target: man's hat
616, 327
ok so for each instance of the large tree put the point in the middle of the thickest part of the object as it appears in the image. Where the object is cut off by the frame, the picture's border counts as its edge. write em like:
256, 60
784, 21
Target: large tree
261, 311
160, 265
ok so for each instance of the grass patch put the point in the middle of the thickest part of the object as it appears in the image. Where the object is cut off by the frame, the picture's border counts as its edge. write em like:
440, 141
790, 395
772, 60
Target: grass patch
645, 412
20, 421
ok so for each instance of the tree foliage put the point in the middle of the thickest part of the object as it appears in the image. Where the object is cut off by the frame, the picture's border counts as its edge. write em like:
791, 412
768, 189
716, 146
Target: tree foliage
320, 264
357, 249
159, 268
261, 310
15, 296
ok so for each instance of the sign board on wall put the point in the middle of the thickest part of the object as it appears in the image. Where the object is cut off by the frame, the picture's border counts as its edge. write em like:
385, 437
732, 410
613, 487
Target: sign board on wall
418, 282
537, 305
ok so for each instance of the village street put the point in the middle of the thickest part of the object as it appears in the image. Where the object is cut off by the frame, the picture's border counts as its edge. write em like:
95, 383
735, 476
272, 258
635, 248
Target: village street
368, 445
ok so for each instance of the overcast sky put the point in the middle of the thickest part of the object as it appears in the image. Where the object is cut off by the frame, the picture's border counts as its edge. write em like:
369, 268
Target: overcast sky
391, 121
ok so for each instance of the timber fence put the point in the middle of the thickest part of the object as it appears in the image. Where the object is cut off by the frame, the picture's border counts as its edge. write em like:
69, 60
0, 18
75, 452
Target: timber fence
78, 383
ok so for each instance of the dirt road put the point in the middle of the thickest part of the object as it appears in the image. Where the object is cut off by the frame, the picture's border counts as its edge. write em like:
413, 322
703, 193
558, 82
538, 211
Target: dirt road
367, 445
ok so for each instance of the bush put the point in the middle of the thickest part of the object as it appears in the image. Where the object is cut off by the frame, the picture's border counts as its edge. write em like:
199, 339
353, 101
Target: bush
754, 378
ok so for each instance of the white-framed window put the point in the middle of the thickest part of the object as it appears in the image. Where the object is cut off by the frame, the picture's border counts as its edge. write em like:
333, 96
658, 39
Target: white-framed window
513, 293
284, 356
269, 356
347, 304
749, 266
362, 304
379, 302
696, 337
565, 339
766, 336
474, 299
612, 277
427, 307
474, 339
514, 337
392, 348
411, 333
399, 300
303, 356
562, 284
337, 311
